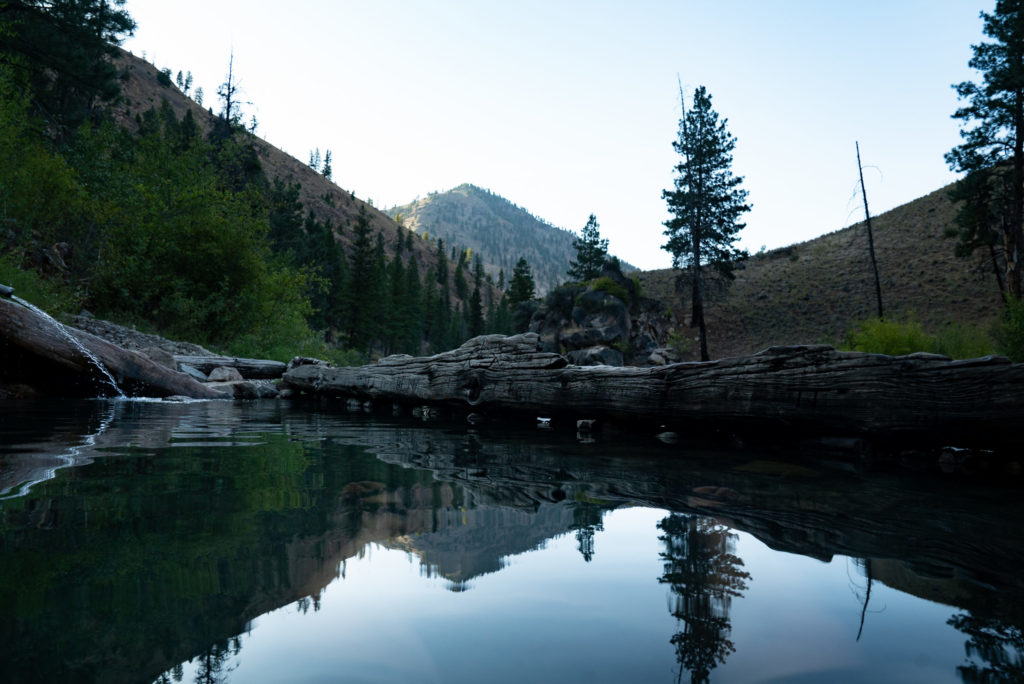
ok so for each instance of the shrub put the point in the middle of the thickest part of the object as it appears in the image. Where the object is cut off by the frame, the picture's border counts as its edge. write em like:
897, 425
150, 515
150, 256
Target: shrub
881, 336
964, 342
52, 297
606, 284
1009, 332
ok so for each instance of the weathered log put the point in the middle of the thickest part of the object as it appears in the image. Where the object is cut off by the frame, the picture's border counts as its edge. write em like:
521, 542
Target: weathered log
787, 388
37, 353
251, 369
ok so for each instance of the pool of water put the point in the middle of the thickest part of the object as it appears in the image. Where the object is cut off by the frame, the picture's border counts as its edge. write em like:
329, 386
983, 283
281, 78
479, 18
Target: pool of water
266, 542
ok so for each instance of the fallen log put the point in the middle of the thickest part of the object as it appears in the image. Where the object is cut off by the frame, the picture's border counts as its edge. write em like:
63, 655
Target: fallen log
37, 353
251, 369
797, 388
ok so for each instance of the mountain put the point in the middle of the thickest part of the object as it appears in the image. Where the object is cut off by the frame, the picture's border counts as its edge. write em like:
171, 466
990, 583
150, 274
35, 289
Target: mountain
815, 291
496, 229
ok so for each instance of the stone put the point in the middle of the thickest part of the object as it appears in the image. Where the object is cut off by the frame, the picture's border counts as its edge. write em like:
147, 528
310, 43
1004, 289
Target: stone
246, 389
595, 356
305, 361
192, 372
160, 356
224, 374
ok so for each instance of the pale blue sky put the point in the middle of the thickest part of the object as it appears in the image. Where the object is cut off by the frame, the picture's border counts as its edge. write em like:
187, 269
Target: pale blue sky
569, 108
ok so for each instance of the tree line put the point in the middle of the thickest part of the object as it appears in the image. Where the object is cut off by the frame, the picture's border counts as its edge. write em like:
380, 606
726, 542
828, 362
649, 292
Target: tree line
170, 223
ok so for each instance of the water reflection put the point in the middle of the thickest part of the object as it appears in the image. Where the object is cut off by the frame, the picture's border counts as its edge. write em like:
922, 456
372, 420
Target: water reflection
191, 521
704, 576
999, 648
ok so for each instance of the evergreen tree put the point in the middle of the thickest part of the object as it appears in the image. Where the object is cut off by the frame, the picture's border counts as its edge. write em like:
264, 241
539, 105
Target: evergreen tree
591, 252
396, 321
63, 50
992, 152
705, 204
413, 334
475, 321
327, 170
521, 287
358, 300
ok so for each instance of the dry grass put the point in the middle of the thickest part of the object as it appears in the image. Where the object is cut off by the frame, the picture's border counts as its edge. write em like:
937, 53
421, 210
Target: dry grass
815, 291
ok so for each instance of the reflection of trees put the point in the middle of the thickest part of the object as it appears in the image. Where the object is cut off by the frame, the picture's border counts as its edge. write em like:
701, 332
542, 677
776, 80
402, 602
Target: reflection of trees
1000, 646
704, 575
586, 520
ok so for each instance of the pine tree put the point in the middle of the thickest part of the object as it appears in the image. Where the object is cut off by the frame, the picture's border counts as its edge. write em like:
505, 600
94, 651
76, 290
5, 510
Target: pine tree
360, 291
992, 152
521, 287
327, 170
63, 50
705, 204
591, 252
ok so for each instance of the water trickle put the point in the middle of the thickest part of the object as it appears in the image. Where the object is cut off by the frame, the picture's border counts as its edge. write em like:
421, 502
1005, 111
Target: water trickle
74, 340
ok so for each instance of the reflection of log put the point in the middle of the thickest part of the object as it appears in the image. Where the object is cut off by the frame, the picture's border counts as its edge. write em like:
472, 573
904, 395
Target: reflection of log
36, 353
254, 369
803, 387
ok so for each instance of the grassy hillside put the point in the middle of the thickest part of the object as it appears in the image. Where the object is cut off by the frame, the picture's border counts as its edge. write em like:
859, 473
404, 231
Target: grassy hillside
815, 291
496, 229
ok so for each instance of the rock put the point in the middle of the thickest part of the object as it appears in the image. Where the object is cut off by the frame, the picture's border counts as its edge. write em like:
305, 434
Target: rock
305, 361
161, 356
192, 372
224, 374
251, 369
247, 389
129, 338
595, 356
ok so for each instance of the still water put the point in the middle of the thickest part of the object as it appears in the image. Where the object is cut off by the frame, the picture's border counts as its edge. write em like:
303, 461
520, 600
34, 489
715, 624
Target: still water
268, 542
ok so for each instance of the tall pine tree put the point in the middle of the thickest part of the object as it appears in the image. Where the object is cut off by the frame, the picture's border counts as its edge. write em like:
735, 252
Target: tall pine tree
992, 152
705, 203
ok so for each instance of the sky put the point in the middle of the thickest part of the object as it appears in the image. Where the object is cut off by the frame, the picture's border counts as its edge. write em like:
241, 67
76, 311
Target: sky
570, 108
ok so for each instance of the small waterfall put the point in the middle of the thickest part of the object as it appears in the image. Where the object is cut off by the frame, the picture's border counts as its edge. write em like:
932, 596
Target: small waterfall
74, 340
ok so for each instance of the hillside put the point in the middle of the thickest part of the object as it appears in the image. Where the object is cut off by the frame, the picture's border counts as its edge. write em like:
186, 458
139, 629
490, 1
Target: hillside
814, 291
496, 229
141, 90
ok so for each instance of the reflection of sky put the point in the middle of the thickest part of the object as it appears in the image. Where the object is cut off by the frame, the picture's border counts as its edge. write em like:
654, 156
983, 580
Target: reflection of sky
550, 616
799, 618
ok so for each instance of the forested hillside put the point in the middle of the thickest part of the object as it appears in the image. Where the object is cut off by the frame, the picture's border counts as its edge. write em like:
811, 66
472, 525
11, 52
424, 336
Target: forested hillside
496, 229
122, 194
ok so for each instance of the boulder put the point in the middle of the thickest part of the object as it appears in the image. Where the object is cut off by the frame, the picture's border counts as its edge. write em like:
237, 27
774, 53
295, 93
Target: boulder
224, 374
192, 372
595, 356
246, 389
160, 356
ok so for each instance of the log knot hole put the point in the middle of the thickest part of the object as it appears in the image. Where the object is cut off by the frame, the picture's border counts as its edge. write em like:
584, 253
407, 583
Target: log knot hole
473, 390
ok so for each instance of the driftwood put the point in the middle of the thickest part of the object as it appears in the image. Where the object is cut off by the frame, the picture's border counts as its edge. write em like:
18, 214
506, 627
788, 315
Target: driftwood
35, 352
813, 388
254, 369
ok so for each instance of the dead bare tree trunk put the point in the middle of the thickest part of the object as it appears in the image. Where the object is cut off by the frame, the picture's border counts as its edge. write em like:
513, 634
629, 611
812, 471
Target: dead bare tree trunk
871, 237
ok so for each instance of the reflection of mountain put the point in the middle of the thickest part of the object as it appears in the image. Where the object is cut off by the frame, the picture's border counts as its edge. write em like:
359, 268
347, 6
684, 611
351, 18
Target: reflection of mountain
473, 542
175, 544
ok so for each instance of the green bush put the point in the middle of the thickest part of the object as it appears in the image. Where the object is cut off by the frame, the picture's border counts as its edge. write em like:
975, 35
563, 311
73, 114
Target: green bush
52, 297
893, 338
897, 338
964, 342
1009, 332
606, 284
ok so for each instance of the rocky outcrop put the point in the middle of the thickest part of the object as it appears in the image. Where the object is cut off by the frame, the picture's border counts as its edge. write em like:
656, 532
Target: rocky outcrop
602, 322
